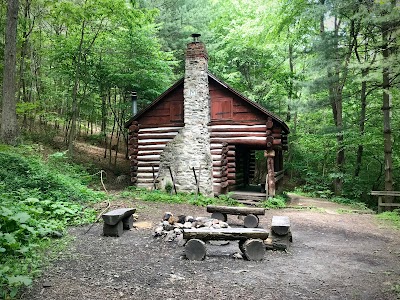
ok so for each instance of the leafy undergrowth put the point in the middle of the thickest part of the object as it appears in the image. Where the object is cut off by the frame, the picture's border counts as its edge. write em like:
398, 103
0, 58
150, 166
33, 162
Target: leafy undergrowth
167, 197
38, 200
393, 217
278, 201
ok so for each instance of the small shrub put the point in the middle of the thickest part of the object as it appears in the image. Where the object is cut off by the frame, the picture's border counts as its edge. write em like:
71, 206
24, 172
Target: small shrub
201, 200
225, 199
275, 202
168, 188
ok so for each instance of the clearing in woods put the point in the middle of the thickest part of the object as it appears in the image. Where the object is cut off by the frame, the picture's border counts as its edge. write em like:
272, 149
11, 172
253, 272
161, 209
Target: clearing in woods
334, 255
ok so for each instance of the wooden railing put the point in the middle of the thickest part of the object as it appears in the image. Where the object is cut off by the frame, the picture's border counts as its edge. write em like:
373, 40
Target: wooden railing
382, 199
279, 175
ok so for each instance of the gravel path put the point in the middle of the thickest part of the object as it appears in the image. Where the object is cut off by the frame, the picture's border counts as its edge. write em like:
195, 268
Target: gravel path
333, 256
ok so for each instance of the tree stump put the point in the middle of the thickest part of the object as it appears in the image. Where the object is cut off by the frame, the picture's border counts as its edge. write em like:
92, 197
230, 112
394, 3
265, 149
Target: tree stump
219, 216
250, 221
195, 249
254, 249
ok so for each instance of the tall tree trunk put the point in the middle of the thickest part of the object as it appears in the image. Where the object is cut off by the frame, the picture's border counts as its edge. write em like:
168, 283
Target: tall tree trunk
335, 97
9, 124
363, 99
290, 85
74, 107
337, 76
387, 113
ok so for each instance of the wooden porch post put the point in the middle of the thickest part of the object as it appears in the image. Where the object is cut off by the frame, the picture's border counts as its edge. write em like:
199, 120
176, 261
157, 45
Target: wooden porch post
270, 181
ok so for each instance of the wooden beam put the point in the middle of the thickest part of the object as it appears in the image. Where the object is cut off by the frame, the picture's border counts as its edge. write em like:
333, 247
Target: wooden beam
237, 128
270, 184
251, 141
149, 152
231, 176
153, 141
234, 210
225, 234
159, 147
148, 163
238, 134
221, 163
168, 135
148, 158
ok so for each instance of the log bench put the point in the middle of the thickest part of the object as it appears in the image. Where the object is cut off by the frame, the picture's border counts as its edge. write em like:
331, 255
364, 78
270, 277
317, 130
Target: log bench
251, 241
381, 199
280, 236
251, 214
117, 220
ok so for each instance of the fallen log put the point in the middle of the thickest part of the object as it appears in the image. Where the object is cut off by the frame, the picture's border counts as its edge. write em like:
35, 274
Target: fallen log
233, 210
225, 234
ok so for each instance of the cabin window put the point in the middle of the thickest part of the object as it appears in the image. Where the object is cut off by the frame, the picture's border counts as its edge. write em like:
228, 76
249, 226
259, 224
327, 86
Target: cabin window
221, 109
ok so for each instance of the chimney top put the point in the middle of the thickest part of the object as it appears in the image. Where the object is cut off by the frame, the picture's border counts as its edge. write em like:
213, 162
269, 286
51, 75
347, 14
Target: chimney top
195, 37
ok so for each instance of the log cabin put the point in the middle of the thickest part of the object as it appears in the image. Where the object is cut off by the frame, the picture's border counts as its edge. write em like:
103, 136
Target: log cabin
201, 135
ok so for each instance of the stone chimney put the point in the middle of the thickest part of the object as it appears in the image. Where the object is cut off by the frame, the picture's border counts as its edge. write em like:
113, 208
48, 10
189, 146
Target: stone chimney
191, 147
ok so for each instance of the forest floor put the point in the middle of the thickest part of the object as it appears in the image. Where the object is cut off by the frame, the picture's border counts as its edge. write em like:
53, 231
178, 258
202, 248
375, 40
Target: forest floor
335, 254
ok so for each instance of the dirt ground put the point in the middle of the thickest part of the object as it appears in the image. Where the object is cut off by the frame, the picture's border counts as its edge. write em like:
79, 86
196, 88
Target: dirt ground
333, 256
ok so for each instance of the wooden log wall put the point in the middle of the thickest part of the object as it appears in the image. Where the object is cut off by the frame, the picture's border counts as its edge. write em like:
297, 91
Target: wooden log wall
146, 144
238, 134
252, 165
132, 149
223, 139
261, 136
240, 162
145, 147
220, 155
227, 163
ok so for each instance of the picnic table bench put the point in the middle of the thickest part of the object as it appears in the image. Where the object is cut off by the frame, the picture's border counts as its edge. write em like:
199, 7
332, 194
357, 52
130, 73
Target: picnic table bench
381, 199
251, 214
117, 220
251, 241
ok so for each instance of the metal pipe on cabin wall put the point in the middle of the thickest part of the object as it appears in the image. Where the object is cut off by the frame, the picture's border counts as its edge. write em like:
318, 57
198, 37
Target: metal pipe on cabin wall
134, 103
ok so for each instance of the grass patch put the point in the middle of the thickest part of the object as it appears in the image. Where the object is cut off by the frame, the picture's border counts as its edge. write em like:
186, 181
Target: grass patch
187, 198
391, 217
38, 200
329, 196
279, 201
396, 289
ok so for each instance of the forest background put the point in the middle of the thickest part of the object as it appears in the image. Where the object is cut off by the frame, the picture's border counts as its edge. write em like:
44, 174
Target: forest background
330, 69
